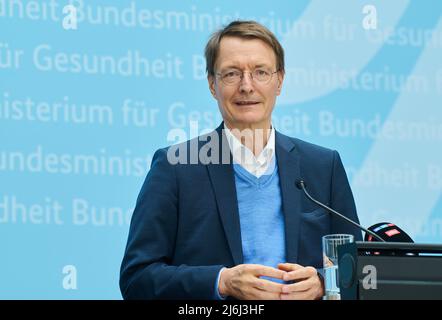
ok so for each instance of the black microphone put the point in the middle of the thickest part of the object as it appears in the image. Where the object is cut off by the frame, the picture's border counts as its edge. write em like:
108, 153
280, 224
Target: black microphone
300, 184
389, 232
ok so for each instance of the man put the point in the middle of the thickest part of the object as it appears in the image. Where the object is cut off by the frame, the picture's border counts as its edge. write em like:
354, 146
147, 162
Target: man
234, 225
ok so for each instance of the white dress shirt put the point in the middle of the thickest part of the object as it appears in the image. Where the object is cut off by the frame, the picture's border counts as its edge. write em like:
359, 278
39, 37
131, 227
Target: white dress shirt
245, 157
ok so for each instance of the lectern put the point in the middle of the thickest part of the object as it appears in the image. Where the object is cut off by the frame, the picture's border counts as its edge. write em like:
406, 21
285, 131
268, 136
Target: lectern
390, 271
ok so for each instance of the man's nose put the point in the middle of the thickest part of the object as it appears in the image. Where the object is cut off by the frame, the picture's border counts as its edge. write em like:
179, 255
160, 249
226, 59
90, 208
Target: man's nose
246, 83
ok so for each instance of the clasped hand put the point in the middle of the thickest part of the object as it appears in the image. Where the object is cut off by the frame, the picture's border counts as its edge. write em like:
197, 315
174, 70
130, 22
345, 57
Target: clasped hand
245, 282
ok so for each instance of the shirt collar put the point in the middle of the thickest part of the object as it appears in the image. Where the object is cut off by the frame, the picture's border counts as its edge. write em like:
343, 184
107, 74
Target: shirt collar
244, 156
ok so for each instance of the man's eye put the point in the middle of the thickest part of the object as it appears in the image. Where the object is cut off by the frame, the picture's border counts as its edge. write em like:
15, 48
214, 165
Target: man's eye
261, 72
230, 74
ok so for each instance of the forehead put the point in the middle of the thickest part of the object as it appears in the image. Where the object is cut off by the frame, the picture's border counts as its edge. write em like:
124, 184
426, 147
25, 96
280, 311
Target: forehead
238, 52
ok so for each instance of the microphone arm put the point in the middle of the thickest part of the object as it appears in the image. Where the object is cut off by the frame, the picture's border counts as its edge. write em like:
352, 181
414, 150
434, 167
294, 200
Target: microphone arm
301, 185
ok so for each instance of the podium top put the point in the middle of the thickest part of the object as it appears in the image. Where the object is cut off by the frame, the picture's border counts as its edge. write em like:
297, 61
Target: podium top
417, 248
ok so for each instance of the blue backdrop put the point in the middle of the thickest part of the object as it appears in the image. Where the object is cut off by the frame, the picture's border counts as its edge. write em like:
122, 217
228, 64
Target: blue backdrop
90, 89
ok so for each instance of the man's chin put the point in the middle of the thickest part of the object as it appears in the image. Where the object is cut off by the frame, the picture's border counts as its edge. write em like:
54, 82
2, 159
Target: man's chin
246, 122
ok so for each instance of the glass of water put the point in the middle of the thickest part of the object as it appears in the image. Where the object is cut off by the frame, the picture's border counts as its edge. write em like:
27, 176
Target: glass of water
330, 245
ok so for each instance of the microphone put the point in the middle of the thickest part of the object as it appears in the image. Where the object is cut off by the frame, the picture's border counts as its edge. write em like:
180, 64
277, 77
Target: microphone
389, 232
300, 184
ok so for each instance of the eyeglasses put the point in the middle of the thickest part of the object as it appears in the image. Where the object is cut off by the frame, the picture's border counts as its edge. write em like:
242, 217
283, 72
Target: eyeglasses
233, 77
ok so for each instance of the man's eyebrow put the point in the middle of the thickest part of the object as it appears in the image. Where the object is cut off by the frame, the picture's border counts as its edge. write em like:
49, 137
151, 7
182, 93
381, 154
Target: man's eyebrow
234, 66
230, 66
260, 65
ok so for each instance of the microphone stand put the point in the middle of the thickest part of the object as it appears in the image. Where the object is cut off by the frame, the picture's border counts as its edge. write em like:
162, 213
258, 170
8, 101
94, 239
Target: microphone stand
301, 185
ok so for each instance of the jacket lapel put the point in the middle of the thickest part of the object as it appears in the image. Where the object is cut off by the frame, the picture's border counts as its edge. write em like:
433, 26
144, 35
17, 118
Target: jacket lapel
223, 183
289, 171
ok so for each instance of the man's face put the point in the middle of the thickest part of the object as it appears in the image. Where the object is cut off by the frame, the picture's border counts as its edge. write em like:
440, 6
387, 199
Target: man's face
248, 104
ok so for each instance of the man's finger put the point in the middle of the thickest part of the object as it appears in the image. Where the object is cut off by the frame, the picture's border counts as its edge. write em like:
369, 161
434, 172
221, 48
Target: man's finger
297, 287
264, 295
304, 295
269, 272
268, 286
289, 266
299, 274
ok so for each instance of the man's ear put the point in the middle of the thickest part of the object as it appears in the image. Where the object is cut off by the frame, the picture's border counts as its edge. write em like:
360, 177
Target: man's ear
280, 81
211, 81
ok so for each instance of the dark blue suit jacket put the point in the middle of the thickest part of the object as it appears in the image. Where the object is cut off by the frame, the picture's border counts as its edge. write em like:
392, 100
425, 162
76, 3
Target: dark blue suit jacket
185, 226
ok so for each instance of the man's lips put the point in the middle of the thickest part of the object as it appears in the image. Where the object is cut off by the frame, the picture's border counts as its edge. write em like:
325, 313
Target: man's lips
246, 102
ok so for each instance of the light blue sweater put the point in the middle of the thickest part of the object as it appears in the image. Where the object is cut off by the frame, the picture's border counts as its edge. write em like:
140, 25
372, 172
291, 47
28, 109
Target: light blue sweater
261, 218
